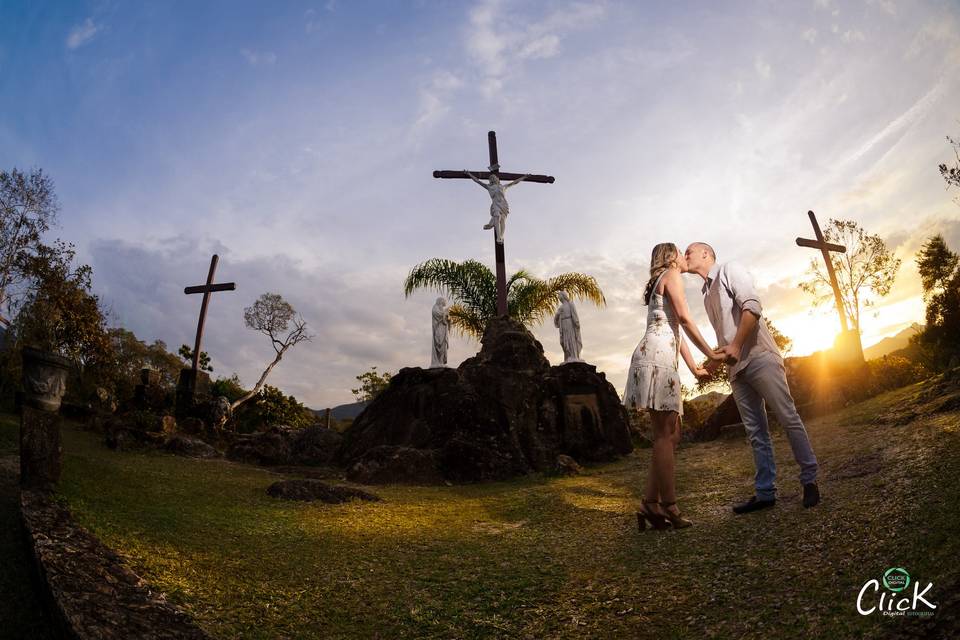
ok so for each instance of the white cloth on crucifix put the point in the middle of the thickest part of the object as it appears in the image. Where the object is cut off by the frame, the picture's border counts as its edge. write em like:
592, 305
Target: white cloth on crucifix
567, 320
499, 210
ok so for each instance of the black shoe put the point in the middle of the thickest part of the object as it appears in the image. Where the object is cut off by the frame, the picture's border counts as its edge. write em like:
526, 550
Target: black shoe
753, 504
811, 495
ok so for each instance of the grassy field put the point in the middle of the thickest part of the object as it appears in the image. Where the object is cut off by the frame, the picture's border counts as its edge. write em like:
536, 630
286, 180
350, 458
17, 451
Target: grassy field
543, 557
20, 613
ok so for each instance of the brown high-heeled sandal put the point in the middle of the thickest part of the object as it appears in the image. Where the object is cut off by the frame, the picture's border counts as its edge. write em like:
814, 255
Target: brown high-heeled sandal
656, 520
677, 520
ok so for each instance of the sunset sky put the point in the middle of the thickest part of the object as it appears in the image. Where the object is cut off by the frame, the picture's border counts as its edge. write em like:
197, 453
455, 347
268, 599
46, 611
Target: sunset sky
297, 140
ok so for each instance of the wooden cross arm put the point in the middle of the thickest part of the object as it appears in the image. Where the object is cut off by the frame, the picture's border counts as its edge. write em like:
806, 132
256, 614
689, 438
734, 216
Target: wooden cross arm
816, 244
504, 177
203, 288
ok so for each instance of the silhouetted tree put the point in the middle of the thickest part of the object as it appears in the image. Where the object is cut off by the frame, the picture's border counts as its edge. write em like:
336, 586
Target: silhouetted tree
272, 316
371, 385
28, 207
867, 270
940, 279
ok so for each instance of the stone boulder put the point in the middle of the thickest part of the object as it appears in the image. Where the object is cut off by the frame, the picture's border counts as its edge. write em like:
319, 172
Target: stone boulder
190, 447
715, 426
502, 413
312, 490
315, 445
283, 445
271, 447
404, 465
567, 466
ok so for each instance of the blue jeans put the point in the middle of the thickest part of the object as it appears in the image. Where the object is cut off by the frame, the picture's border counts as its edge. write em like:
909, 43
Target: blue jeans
760, 384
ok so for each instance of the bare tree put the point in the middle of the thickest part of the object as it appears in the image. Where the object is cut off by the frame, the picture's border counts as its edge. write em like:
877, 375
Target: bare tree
28, 207
272, 316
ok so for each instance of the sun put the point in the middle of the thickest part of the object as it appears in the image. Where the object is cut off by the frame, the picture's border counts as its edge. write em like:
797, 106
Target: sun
809, 332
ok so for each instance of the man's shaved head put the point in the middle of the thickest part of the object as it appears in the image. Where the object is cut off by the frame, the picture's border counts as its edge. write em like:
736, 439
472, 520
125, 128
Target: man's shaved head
700, 258
705, 247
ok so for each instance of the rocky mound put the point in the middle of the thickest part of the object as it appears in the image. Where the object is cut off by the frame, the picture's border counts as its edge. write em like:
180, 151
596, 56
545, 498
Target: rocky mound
312, 490
505, 412
282, 445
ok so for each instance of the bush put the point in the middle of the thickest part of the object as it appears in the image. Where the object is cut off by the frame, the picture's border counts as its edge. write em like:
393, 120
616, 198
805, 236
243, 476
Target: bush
892, 372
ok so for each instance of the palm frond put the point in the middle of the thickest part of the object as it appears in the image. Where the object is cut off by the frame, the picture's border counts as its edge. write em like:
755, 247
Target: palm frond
469, 282
467, 322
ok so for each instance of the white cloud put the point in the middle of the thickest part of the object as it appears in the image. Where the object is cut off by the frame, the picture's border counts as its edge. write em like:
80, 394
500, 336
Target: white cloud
888, 6
82, 33
853, 35
899, 125
493, 36
762, 67
810, 35
258, 58
543, 47
435, 100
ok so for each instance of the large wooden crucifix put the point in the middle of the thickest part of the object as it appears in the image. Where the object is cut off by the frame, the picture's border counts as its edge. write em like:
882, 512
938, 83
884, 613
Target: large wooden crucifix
494, 169
826, 248
206, 290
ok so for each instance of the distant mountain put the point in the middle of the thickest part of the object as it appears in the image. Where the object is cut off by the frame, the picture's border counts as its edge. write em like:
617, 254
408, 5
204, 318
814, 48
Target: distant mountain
344, 411
892, 343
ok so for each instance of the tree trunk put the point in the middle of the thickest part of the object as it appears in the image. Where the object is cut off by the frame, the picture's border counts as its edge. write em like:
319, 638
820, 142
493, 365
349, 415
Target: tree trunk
260, 382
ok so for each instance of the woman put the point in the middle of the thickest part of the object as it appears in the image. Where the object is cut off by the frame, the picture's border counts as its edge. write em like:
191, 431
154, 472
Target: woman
653, 381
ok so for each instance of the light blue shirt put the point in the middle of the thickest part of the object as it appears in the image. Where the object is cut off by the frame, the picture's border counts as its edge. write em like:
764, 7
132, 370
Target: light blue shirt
727, 292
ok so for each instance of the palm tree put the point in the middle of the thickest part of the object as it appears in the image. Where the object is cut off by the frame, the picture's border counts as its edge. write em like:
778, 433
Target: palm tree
472, 286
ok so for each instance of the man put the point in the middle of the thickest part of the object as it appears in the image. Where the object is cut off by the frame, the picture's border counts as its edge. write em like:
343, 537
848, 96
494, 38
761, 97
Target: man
755, 370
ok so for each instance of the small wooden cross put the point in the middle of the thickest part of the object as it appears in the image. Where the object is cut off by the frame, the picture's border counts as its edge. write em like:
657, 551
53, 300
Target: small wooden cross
206, 290
494, 168
826, 248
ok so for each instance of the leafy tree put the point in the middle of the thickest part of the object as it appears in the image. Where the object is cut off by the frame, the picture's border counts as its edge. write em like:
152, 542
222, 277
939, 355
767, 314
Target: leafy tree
274, 408
186, 353
951, 175
866, 271
58, 312
472, 286
119, 369
230, 388
372, 384
28, 208
272, 316
940, 279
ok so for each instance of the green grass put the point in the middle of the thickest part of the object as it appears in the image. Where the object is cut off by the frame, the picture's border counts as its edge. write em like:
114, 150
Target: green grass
541, 557
20, 612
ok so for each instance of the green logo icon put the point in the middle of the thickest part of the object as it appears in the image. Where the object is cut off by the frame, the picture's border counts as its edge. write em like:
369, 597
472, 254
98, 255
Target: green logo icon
896, 579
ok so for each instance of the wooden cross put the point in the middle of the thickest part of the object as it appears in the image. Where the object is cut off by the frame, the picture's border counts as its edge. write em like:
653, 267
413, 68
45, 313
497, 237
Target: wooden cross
826, 248
494, 168
206, 290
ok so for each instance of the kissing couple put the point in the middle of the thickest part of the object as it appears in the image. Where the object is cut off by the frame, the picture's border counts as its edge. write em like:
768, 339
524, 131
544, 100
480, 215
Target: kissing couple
754, 369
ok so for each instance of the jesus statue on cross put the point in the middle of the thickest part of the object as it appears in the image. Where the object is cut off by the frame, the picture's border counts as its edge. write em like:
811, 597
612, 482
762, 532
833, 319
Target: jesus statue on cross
499, 209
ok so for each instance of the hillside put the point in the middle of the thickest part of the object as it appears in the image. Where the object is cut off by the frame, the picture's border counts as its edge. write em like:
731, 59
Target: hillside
893, 343
344, 411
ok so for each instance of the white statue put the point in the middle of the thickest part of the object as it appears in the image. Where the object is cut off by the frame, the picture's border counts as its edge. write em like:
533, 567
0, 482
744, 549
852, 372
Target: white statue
499, 209
567, 320
441, 323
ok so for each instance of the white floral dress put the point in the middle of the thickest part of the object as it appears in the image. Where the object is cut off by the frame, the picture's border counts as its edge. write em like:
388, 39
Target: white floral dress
653, 381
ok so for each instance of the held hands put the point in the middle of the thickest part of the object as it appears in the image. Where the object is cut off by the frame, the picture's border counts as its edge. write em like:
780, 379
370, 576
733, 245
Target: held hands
716, 357
701, 374
731, 353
